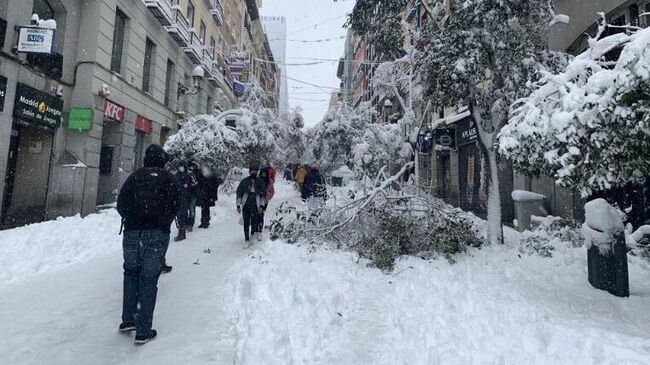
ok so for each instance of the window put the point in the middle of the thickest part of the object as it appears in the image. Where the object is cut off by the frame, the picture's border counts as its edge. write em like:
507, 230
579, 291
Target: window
210, 107
634, 15
202, 32
169, 81
147, 70
213, 48
43, 9
118, 41
186, 98
190, 13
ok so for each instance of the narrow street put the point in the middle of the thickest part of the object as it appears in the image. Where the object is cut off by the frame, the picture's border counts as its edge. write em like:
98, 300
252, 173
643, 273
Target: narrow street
71, 316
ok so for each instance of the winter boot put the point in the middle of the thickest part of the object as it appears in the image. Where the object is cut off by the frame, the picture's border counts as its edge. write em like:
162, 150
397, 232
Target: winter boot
127, 327
204, 225
166, 269
258, 236
181, 235
189, 228
141, 340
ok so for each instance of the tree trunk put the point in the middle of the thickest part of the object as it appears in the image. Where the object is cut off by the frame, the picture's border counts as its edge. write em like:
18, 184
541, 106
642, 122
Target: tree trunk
417, 169
486, 143
495, 227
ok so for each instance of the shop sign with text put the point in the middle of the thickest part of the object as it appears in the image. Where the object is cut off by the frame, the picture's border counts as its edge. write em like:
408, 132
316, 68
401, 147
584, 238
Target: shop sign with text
113, 111
80, 119
36, 106
35, 40
143, 124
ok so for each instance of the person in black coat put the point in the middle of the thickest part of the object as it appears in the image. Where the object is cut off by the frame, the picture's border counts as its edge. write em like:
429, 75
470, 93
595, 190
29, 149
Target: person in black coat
251, 200
148, 202
209, 193
313, 190
189, 197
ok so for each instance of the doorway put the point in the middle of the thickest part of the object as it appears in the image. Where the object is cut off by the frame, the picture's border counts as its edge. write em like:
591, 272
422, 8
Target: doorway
27, 177
109, 161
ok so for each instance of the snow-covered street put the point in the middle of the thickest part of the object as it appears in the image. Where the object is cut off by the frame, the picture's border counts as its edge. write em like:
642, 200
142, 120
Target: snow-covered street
69, 313
289, 304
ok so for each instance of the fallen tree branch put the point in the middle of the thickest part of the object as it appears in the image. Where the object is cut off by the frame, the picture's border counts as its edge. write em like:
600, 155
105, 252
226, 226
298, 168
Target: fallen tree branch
364, 201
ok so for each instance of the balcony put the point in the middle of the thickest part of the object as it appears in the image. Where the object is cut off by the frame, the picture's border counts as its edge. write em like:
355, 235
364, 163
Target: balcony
213, 73
163, 10
194, 50
180, 29
216, 10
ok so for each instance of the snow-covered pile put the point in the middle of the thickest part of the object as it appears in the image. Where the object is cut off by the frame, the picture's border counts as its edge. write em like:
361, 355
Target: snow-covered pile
46, 246
297, 305
588, 126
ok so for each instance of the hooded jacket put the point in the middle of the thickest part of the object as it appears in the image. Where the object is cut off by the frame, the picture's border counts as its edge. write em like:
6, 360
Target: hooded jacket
149, 198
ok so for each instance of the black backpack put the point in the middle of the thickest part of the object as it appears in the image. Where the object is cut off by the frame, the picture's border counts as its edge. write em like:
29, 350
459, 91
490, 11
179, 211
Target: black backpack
148, 189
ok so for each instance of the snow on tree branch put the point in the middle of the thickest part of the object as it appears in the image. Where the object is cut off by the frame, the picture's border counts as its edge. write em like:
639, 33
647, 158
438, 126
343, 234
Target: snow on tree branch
589, 125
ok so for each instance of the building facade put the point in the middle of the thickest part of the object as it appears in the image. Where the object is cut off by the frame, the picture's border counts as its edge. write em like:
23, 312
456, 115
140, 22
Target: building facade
75, 122
275, 28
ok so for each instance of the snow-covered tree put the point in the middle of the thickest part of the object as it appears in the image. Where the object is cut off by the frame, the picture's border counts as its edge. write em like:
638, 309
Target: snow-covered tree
205, 139
380, 145
401, 80
589, 125
290, 137
331, 141
378, 21
482, 53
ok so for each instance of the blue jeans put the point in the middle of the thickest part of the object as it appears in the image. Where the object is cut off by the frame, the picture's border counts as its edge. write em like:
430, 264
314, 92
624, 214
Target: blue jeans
144, 256
187, 212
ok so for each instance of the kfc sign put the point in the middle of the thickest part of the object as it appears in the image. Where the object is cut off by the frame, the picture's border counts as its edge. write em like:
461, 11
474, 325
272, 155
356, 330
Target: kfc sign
113, 111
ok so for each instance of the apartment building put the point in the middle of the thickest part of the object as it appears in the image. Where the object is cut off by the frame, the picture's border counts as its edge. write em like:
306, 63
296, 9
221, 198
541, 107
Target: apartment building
76, 118
275, 28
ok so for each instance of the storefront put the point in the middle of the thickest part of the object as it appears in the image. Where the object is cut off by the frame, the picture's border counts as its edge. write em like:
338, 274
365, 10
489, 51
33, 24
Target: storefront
36, 118
470, 168
110, 156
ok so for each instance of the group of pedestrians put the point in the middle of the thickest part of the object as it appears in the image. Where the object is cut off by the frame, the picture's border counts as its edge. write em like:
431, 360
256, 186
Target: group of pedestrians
311, 185
198, 186
149, 201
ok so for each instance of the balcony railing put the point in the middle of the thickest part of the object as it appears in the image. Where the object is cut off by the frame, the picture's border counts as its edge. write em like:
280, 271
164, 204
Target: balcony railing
163, 10
216, 10
213, 73
180, 29
194, 50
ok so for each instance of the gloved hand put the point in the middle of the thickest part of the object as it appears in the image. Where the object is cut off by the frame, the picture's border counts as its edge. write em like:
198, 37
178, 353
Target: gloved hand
238, 210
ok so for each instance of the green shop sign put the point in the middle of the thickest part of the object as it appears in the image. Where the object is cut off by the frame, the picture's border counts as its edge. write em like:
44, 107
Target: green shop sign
80, 119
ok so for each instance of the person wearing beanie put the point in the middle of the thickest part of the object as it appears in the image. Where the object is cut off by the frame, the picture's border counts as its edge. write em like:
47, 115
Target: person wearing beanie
313, 191
148, 203
251, 201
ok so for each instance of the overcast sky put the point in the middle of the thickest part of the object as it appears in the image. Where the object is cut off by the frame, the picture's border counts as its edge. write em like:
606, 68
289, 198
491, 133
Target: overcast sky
311, 20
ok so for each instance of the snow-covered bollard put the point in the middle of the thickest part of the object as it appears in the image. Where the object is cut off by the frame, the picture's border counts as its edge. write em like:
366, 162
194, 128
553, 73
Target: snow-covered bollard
604, 233
527, 204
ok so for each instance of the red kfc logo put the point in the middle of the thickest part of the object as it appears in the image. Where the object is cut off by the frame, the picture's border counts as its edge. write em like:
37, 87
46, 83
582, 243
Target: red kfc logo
113, 110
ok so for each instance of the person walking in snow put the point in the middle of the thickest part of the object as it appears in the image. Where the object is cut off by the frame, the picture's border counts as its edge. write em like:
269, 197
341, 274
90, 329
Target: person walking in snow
187, 209
300, 177
148, 202
209, 193
251, 200
267, 175
313, 191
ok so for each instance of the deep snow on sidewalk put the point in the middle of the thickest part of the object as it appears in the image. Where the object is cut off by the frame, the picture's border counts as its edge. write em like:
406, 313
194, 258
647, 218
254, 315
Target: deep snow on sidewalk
62, 305
297, 305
